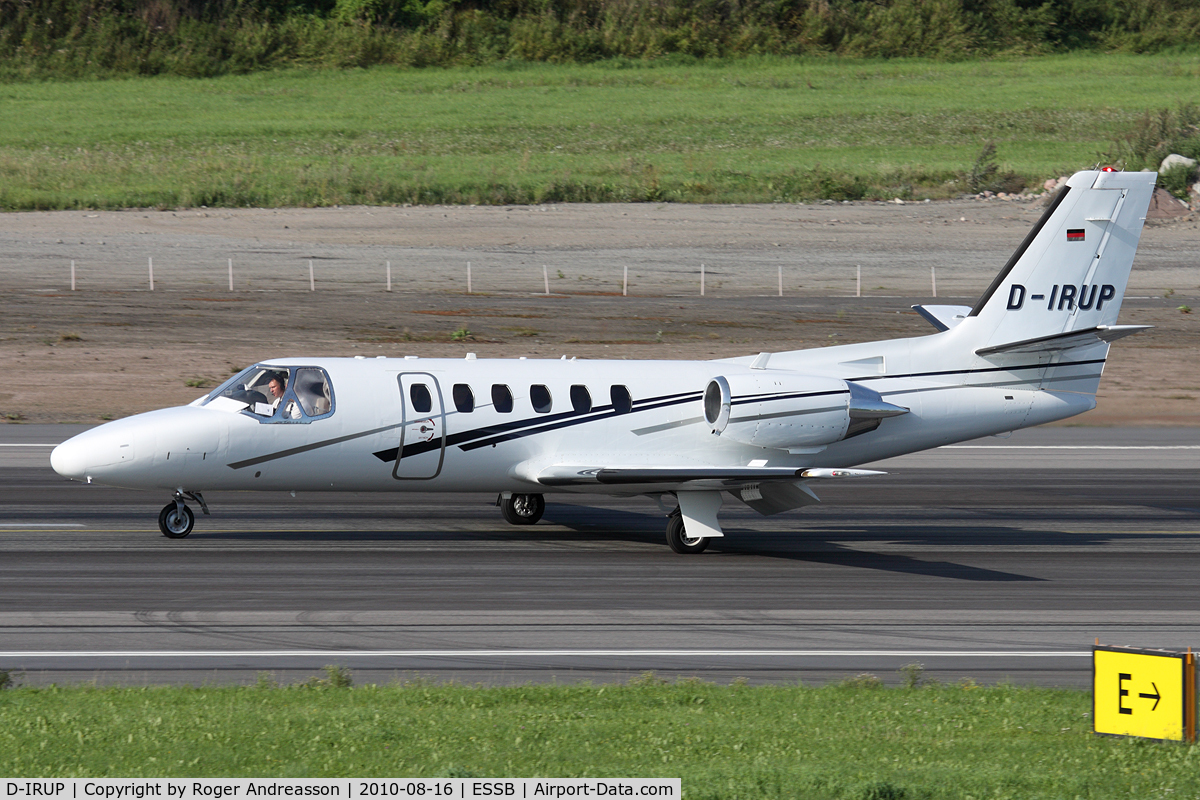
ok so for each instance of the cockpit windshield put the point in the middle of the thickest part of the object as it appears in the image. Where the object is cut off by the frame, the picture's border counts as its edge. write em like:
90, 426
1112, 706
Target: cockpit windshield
276, 394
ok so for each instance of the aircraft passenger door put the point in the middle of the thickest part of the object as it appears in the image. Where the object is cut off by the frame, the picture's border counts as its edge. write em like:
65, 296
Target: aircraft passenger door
423, 434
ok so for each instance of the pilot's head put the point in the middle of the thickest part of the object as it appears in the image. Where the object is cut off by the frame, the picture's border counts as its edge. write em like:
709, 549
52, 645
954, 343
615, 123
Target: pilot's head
277, 384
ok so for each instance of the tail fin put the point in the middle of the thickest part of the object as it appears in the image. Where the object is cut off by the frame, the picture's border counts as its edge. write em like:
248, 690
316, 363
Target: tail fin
1064, 285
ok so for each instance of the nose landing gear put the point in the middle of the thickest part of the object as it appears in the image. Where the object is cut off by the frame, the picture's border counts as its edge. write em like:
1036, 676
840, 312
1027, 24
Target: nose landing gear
176, 519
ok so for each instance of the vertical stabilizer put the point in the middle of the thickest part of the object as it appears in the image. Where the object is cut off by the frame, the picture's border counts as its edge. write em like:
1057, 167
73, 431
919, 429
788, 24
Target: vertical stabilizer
1070, 272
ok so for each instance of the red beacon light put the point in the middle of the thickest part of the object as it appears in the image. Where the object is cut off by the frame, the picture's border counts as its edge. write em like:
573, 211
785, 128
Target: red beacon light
1109, 169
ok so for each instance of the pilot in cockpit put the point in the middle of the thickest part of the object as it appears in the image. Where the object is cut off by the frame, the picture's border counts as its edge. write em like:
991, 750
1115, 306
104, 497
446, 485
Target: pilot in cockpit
277, 386
278, 394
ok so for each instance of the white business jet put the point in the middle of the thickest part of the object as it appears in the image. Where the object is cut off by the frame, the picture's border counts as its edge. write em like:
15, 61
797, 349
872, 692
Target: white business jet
759, 429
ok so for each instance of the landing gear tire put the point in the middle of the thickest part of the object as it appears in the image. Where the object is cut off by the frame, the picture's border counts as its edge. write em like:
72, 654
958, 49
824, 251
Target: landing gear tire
678, 539
176, 521
523, 509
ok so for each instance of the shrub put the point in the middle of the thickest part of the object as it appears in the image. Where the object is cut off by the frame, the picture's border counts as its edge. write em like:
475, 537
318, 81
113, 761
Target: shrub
1157, 134
985, 174
1178, 179
336, 677
78, 38
863, 680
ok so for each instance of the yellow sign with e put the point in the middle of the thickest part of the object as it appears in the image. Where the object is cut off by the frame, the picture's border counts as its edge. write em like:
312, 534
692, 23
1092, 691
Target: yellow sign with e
1146, 693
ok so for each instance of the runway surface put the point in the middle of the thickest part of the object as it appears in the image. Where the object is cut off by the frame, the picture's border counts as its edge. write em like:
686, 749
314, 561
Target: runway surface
1002, 558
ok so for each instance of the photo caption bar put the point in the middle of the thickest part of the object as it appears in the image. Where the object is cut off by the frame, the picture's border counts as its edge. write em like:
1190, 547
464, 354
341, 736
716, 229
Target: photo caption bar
243, 788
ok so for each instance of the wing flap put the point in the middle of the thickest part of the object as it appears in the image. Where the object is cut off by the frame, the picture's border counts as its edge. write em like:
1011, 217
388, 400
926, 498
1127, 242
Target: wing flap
717, 477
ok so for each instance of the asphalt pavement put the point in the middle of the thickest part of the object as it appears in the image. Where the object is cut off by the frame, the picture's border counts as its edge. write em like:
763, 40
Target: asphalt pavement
992, 560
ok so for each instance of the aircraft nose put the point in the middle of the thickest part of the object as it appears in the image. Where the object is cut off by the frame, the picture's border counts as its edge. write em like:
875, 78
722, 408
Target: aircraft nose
69, 459
80, 457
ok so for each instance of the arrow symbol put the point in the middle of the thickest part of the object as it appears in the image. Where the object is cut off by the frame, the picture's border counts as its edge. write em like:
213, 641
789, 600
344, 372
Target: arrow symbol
1155, 697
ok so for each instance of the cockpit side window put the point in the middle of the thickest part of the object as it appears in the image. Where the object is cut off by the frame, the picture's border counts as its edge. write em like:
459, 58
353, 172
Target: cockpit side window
313, 392
277, 394
248, 386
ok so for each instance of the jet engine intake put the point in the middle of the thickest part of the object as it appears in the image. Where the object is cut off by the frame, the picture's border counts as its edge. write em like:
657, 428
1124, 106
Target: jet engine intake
788, 411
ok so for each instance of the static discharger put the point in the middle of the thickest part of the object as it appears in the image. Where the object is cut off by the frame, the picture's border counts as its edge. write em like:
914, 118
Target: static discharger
1146, 693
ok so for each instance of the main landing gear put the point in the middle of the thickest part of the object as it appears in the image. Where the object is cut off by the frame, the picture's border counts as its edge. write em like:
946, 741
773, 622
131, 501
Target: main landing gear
692, 523
677, 537
176, 519
521, 509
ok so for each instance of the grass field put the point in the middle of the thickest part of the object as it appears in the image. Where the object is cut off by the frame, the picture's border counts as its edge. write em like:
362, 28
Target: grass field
844, 741
740, 131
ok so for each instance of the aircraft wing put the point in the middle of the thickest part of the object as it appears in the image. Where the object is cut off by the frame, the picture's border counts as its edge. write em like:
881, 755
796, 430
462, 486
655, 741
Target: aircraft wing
701, 477
1065, 341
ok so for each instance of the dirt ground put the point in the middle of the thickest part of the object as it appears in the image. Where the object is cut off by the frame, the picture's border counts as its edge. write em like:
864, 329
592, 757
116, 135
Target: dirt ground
113, 347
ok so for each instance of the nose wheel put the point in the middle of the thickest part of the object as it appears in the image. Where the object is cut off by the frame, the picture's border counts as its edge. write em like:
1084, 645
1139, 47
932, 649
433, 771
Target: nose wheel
522, 509
176, 520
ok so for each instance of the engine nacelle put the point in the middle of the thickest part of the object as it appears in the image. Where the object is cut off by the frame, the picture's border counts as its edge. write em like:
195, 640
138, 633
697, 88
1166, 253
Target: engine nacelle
788, 411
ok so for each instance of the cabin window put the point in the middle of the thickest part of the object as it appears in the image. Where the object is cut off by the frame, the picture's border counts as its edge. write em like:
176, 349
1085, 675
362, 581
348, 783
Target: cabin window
502, 398
276, 394
312, 390
464, 398
539, 395
622, 401
581, 399
422, 400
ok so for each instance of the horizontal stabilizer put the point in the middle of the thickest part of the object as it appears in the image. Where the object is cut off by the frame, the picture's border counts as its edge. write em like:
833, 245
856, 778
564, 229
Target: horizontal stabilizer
943, 317
1066, 340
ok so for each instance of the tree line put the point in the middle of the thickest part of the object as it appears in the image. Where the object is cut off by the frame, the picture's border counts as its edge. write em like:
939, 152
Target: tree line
77, 38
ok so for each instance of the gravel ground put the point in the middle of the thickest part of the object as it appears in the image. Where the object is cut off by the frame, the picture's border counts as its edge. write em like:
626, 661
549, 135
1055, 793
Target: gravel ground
113, 347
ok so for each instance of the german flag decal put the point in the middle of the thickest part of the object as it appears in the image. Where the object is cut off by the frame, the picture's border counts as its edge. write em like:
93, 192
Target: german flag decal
1074, 234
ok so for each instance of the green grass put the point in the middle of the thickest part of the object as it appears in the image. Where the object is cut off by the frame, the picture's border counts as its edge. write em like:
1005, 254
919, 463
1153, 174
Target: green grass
842, 741
758, 130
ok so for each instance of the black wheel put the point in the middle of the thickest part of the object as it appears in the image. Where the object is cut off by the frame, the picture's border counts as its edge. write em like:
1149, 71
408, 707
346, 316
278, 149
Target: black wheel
523, 509
175, 524
678, 539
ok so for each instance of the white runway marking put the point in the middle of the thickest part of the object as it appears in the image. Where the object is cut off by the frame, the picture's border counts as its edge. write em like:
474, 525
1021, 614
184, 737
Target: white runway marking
18, 444
41, 524
538, 653
1067, 447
